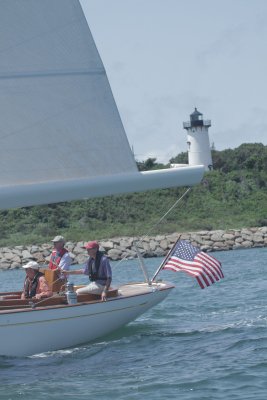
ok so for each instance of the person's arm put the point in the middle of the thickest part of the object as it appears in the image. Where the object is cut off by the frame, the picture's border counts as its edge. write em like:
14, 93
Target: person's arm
107, 285
23, 291
43, 289
73, 272
65, 262
83, 271
105, 290
108, 273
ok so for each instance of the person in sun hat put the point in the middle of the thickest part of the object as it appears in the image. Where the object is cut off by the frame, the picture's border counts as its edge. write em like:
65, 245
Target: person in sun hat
35, 284
60, 258
98, 270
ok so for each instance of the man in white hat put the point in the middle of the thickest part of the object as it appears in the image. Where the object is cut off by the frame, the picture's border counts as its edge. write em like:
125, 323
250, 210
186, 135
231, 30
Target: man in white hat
60, 258
35, 284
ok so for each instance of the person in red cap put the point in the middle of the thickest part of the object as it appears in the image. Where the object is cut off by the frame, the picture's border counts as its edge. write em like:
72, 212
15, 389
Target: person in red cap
98, 269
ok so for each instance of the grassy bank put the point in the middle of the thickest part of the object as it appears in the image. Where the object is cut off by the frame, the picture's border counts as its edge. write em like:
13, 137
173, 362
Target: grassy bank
234, 195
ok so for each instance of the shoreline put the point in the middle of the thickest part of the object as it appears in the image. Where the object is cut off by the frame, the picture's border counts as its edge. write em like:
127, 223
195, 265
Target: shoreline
152, 246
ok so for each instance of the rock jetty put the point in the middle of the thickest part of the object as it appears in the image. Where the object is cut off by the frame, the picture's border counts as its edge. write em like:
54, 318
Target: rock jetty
124, 247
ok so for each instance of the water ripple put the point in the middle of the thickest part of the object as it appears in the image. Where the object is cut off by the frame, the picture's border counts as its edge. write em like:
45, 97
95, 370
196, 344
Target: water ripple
197, 345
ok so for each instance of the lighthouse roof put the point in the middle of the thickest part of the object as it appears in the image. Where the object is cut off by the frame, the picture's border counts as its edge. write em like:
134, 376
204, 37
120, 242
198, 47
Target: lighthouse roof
196, 118
195, 113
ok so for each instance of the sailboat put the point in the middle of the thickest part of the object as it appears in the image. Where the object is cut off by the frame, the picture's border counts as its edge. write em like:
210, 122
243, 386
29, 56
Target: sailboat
61, 139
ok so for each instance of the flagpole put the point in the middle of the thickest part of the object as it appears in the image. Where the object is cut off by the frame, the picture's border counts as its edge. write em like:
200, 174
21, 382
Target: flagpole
166, 258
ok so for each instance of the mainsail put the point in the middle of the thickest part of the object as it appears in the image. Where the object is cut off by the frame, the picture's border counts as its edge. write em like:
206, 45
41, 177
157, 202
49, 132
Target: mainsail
61, 136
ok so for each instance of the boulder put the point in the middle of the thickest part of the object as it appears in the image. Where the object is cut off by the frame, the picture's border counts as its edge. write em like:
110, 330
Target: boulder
8, 256
107, 245
217, 237
153, 245
33, 249
114, 254
26, 255
228, 236
4, 265
164, 244
246, 244
46, 253
257, 238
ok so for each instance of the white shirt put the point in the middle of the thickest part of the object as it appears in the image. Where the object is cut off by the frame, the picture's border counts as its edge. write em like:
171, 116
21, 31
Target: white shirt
65, 262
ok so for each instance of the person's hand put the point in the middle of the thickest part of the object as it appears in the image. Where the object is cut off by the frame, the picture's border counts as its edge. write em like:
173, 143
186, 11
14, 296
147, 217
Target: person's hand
104, 295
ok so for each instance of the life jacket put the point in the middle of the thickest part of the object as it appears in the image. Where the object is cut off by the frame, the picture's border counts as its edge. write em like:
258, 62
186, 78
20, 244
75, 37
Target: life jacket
94, 272
56, 257
30, 287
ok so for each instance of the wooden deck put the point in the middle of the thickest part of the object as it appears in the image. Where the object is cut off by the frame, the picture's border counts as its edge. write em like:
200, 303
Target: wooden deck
12, 300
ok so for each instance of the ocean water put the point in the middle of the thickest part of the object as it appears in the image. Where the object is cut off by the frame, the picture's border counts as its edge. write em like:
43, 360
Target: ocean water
197, 344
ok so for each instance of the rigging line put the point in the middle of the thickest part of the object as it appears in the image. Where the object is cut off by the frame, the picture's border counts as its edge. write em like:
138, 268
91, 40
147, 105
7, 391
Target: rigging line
157, 223
165, 215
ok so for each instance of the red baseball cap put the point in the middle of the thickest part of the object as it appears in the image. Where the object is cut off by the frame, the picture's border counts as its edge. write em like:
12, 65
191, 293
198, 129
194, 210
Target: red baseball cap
92, 245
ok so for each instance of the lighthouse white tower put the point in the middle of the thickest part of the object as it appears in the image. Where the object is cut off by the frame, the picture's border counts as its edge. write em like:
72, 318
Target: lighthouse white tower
199, 151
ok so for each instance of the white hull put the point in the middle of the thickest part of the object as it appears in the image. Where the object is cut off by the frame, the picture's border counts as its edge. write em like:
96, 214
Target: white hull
31, 331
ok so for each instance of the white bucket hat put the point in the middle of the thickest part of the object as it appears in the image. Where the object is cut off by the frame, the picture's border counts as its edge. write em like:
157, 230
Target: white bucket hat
32, 265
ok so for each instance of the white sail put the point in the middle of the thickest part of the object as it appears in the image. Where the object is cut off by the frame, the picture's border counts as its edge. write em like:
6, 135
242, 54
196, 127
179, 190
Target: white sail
61, 136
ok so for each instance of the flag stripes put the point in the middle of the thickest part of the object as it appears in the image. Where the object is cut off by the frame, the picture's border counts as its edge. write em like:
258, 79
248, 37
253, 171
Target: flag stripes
191, 260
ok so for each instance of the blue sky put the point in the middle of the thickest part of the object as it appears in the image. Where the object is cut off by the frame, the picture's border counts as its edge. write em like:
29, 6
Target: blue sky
165, 57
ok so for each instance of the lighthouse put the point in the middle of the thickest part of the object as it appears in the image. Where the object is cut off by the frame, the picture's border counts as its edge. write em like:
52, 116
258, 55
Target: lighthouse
199, 151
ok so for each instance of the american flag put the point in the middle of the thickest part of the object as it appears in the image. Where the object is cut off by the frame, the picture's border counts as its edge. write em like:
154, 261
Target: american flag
190, 259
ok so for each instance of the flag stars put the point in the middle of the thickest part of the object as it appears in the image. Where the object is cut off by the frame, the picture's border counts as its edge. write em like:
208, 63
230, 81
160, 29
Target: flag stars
190, 259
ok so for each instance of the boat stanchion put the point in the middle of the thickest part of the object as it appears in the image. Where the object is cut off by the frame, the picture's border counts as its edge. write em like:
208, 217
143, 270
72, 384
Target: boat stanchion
70, 293
142, 264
